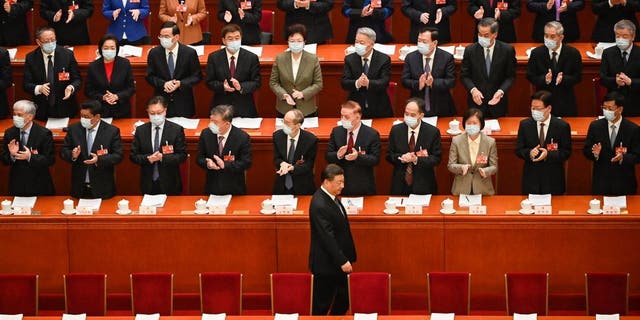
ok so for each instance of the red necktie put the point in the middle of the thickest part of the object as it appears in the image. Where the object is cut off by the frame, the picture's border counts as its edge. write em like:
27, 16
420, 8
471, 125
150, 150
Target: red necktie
408, 175
350, 142
232, 67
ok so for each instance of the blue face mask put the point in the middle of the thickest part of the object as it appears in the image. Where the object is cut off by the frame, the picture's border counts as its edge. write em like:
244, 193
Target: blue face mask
86, 123
484, 42
361, 49
423, 48
157, 119
347, 124
537, 115
214, 128
166, 43
109, 54
608, 114
622, 43
287, 130
18, 122
234, 46
472, 129
49, 47
296, 47
412, 122
550, 44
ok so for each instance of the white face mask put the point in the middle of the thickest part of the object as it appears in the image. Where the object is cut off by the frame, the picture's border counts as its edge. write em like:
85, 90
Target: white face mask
423, 48
608, 114
622, 43
472, 129
537, 115
214, 128
18, 122
49, 47
484, 42
157, 119
412, 122
287, 130
296, 47
166, 43
86, 123
347, 124
234, 46
109, 54
550, 44
361, 49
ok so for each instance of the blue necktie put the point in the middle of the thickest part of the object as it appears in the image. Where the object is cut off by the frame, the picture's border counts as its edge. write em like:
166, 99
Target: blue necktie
156, 147
171, 64
89, 146
365, 66
427, 100
23, 138
288, 179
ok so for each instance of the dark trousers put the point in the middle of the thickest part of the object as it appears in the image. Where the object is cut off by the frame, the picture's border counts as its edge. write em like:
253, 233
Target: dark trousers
330, 292
87, 192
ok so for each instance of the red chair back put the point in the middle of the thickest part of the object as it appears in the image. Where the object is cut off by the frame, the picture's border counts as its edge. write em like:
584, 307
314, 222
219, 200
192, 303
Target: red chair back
291, 293
85, 293
527, 293
267, 21
607, 293
19, 294
370, 292
221, 292
152, 293
449, 292
599, 92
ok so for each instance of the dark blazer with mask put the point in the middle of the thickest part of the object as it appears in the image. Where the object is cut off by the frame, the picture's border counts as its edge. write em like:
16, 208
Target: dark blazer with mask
352, 9
76, 31
608, 16
30, 178
563, 98
187, 70
5, 82
231, 179
443, 71
473, 73
507, 30
247, 73
424, 177
569, 19
374, 100
169, 167
316, 19
612, 64
358, 174
546, 176
35, 73
613, 178
14, 31
413, 9
102, 173
303, 167
121, 84
249, 24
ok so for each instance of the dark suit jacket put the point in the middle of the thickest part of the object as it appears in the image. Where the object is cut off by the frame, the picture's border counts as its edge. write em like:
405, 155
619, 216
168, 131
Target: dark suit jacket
5, 82
424, 177
613, 64
97, 85
304, 166
247, 73
507, 31
169, 167
35, 73
353, 8
331, 240
231, 179
563, 97
75, 32
187, 70
250, 24
14, 31
358, 174
374, 100
413, 9
569, 19
608, 17
30, 178
613, 178
101, 174
316, 19
503, 72
545, 176
443, 71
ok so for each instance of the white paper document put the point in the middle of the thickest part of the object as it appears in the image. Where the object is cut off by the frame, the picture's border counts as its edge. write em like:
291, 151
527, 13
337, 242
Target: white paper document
397, 200
311, 122
442, 316
431, 120
366, 122
255, 50
11, 316
141, 316
94, 204
57, 123
540, 199
286, 316
214, 316
620, 202
467, 200
156, 200
418, 200
107, 120
311, 48
215, 200
185, 122
605, 45
493, 124
199, 50
247, 123
450, 49
529, 316
67, 316
284, 200
130, 51
388, 49
353, 201
365, 316
614, 316
12, 53
24, 202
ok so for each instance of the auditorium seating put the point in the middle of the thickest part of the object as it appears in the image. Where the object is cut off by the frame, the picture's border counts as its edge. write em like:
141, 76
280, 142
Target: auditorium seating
19, 294
85, 293
607, 293
527, 293
370, 292
291, 293
449, 292
152, 292
221, 292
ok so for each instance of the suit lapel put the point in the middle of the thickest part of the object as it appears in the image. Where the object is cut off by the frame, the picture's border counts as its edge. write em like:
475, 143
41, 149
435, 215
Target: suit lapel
288, 62
463, 154
301, 68
480, 52
282, 145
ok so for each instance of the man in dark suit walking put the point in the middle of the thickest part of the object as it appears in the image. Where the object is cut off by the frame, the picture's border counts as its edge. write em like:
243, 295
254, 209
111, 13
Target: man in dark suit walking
488, 70
28, 149
51, 75
366, 76
13, 18
94, 148
332, 251
430, 74
609, 13
613, 144
544, 143
414, 150
69, 19
620, 67
504, 12
430, 13
159, 148
294, 156
557, 68
5, 82
356, 148
233, 74
224, 151
173, 69
562, 11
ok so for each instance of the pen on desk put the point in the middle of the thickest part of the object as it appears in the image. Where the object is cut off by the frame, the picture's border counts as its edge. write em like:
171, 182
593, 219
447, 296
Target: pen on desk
101, 147
466, 197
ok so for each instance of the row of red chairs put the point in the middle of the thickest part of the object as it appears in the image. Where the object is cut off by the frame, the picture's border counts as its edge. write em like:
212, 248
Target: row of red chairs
369, 292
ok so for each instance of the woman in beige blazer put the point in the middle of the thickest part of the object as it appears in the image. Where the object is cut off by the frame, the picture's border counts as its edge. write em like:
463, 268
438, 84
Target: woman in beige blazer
473, 171
187, 14
299, 91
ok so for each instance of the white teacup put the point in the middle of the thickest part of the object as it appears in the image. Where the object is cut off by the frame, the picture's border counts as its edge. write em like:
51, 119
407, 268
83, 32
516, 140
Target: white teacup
201, 205
526, 204
447, 204
459, 51
267, 205
404, 51
68, 204
599, 50
594, 205
390, 205
454, 125
6, 206
123, 205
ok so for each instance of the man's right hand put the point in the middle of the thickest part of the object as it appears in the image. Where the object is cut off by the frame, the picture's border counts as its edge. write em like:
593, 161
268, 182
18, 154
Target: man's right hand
479, 13
45, 89
75, 153
14, 147
347, 268
477, 96
342, 151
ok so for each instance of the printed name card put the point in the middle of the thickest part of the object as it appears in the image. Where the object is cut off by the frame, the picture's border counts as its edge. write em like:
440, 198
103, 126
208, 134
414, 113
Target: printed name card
214, 316
412, 209
147, 210
22, 211
352, 210
84, 211
475, 209
527, 316
284, 210
614, 316
217, 209
542, 210
610, 210
442, 316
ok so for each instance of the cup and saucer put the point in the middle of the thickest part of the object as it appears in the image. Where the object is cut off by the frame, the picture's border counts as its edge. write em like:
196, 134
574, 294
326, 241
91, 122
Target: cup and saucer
526, 211
201, 211
447, 211
267, 211
454, 132
391, 211
123, 212
592, 211
6, 213
68, 211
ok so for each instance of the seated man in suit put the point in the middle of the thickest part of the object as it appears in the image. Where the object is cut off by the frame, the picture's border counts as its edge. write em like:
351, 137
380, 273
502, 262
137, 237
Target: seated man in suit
430, 73
556, 67
488, 70
173, 69
5, 82
28, 149
609, 13
544, 143
233, 74
52, 77
94, 148
620, 67
13, 18
414, 150
224, 151
294, 156
613, 144
356, 148
159, 148
366, 76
